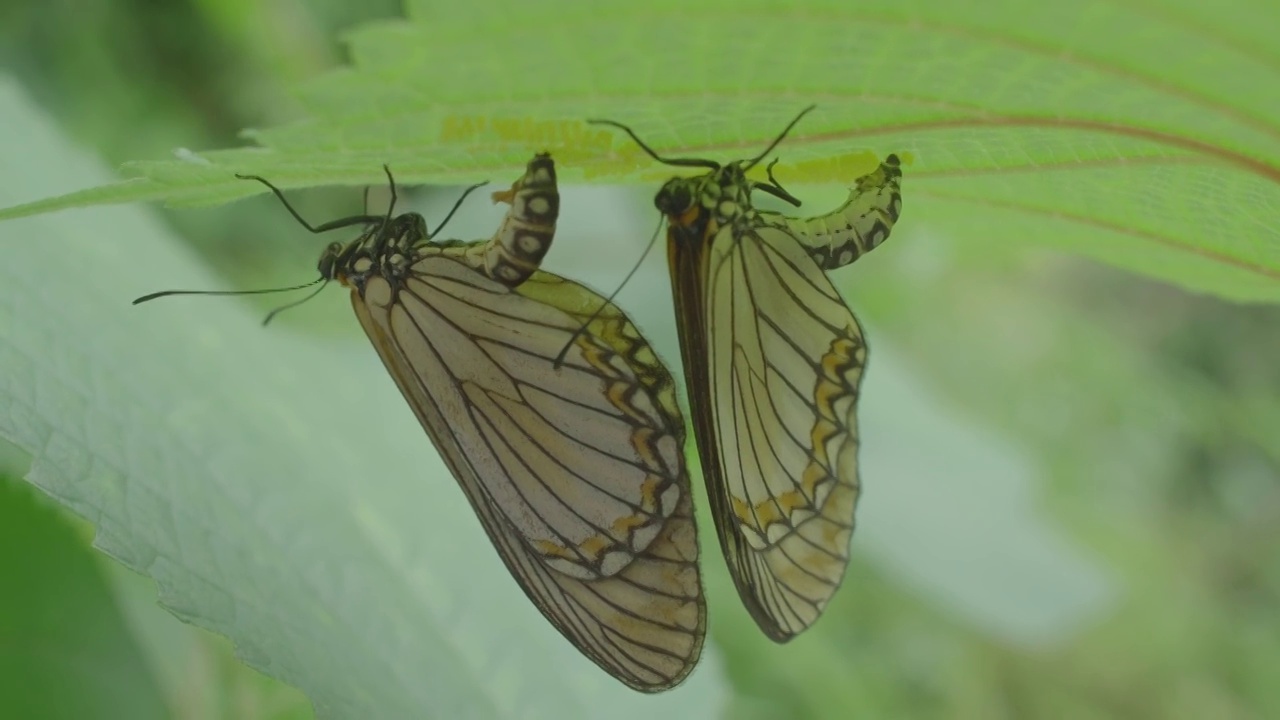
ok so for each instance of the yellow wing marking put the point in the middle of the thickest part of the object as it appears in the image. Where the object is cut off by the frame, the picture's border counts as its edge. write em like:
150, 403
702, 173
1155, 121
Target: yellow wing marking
792, 507
644, 619
773, 358
576, 472
567, 484
784, 360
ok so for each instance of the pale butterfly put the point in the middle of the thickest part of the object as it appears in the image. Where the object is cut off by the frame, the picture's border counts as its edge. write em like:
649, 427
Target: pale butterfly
773, 360
575, 470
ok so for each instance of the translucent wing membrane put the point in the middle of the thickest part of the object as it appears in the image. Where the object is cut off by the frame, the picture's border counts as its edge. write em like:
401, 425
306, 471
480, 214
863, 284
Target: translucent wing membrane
576, 471
578, 459
575, 468
783, 384
782, 359
645, 621
774, 358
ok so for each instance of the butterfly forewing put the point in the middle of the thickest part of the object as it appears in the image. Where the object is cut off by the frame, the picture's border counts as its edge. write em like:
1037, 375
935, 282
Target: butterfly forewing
783, 380
645, 623
773, 358
576, 472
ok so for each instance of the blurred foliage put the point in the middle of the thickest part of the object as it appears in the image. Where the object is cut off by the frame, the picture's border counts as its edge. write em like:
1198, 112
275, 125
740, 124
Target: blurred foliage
189, 441
137, 79
1029, 120
60, 626
1156, 414
1154, 411
81, 637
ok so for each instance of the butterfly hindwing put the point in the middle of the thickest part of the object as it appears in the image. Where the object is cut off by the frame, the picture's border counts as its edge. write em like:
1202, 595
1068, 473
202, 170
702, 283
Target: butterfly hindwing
773, 360
783, 368
553, 413
576, 472
645, 623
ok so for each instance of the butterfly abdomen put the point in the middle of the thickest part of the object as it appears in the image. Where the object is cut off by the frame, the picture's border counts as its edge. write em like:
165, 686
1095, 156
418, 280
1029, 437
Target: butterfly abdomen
526, 233
860, 225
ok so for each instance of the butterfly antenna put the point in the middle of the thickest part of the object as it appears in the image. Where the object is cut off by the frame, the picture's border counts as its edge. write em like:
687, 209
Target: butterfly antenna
294, 304
678, 162
457, 205
391, 204
380, 239
778, 139
559, 361
166, 293
774, 188
323, 227
314, 229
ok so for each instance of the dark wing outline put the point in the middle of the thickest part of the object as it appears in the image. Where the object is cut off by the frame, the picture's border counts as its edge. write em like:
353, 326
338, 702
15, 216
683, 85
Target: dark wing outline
646, 623
787, 581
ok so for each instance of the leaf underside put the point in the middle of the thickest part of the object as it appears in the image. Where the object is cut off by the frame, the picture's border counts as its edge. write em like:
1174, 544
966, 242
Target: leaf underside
1158, 151
275, 486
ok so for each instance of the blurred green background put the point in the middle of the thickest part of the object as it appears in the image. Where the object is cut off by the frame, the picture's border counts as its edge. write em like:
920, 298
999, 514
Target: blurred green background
1115, 543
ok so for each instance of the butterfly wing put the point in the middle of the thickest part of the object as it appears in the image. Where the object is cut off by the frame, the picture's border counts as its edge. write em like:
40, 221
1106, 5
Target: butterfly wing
773, 358
576, 473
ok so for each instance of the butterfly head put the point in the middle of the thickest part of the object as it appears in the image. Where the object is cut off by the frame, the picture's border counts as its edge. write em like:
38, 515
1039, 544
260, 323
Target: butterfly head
718, 197
722, 195
328, 265
385, 248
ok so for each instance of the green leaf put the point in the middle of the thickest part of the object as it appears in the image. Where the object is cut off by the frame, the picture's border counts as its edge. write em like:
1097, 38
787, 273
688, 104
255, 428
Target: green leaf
1144, 135
66, 650
277, 488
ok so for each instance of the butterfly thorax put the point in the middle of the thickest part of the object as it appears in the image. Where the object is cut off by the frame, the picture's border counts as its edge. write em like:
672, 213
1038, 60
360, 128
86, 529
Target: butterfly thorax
705, 203
386, 249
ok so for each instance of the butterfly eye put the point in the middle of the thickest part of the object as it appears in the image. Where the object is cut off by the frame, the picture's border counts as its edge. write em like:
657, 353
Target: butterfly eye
674, 198
328, 259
